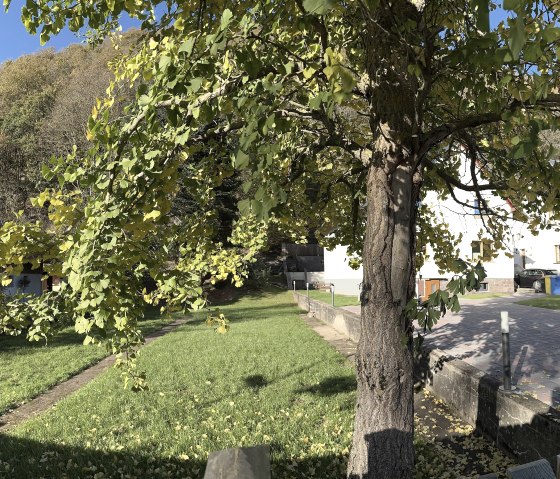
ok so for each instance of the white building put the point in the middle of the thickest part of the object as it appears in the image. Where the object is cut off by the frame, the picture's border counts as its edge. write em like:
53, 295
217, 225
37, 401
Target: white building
28, 282
541, 251
338, 272
521, 249
468, 224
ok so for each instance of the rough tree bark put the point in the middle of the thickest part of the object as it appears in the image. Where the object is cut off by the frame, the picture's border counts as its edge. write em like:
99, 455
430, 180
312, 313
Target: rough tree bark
382, 446
384, 424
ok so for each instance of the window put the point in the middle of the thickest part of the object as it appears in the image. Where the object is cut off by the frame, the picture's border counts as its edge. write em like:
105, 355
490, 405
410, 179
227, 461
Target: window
481, 250
477, 248
476, 207
557, 253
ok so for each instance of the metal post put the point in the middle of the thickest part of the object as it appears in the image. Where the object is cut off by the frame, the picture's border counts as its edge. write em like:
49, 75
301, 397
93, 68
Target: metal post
308, 301
294, 283
505, 352
332, 294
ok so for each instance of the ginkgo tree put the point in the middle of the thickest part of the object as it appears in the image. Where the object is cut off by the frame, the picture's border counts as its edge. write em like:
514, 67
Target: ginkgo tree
337, 115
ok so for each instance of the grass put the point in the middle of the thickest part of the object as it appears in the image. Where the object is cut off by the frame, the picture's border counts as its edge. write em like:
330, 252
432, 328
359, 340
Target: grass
483, 296
269, 380
547, 302
339, 299
29, 368
344, 300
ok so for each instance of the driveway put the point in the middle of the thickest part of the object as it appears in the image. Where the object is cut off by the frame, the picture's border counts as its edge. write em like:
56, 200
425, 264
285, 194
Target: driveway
474, 335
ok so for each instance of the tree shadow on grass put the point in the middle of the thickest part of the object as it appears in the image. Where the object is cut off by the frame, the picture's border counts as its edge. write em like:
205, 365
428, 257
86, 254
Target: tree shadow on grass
227, 294
29, 459
22, 345
330, 386
256, 381
251, 314
25, 458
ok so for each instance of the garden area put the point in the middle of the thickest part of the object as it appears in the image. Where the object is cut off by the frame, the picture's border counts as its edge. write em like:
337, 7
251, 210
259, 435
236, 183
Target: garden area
340, 300
29, 368
544, 301
269, 380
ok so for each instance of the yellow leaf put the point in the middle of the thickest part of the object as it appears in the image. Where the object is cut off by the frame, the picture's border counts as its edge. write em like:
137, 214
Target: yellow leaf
152, 215
66, 245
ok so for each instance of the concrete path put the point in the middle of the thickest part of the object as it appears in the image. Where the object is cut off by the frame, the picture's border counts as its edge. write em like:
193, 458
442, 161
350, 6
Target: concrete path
474, 336
48, 399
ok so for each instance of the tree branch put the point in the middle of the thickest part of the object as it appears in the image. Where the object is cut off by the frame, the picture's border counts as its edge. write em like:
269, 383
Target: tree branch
440, 133
458, 184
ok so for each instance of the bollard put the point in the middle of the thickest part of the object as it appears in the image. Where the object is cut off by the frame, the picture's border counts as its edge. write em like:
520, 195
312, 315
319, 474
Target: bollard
332, 295
505, 352
294, 283
308, 301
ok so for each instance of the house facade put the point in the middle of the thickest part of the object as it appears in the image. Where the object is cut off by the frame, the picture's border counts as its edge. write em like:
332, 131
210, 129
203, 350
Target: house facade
30, 281
465, 220
467, 223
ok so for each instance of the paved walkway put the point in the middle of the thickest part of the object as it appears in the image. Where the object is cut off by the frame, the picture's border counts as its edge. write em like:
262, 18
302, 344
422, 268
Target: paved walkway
474, 336
48, 399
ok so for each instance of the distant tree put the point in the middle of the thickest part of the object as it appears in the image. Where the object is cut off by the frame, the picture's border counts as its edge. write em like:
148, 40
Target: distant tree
45, 102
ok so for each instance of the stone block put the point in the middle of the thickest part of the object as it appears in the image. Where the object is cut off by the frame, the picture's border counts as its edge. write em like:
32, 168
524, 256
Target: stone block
239, 463
534, 470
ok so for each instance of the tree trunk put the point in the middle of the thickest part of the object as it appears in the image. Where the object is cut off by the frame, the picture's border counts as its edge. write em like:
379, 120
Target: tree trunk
383, 430
384, 425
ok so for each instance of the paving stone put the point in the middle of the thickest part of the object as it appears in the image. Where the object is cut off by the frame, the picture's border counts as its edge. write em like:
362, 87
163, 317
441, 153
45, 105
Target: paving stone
239, 463
474, 336
534, 470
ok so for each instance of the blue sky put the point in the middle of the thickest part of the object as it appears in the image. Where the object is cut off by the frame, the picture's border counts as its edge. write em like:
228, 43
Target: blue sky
15, 41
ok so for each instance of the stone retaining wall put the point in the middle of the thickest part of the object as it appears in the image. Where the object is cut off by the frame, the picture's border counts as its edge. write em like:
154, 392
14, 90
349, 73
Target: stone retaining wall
522, 425
343, 321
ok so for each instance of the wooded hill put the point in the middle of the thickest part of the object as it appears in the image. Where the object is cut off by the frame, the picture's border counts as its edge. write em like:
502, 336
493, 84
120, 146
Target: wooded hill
45, 101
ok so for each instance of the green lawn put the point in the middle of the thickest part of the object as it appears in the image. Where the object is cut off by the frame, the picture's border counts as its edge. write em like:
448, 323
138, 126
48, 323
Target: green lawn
269, 380
482, 296
30, 368
339, 299
344, 300
548, 302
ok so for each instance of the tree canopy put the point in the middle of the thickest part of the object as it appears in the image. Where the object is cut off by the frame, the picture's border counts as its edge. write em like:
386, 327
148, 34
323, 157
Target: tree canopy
339, 114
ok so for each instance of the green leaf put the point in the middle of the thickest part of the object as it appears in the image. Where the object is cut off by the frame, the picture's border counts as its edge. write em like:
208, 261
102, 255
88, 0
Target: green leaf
242, 159
318, 7
511, 4
152, 154
195, 85
164, 62
152, 215
144, 100
226, 18
518, 37
482, 15
187, 46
